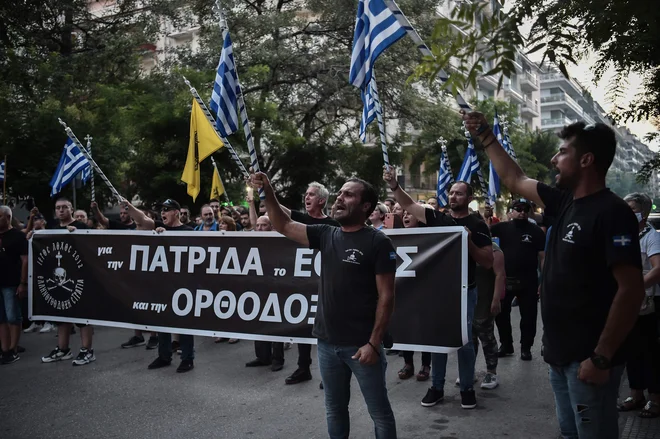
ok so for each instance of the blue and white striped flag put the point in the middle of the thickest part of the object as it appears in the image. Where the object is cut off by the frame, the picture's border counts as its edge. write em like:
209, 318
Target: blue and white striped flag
224, 99
369, 108
376, 29
444, 180
470, 164
2, 170
493, 178
71, 163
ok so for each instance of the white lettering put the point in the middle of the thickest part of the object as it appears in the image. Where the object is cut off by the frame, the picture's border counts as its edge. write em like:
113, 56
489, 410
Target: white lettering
219, 303
213, 263
253, 262
231, 258
145, 256
203, 300
304, 306
271, 303
196, 255
255, 306
159, 260
301, 260
407, 260
178, 250
175, 302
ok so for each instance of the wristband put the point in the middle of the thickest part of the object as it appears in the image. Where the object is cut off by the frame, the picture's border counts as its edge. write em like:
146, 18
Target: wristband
489, 144
374, 348
482, 128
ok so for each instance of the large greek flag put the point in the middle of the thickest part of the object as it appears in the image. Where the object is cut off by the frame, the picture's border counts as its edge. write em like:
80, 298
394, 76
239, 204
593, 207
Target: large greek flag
71, 163
376, 29
369, 97
470, 164
444, 180
224, 99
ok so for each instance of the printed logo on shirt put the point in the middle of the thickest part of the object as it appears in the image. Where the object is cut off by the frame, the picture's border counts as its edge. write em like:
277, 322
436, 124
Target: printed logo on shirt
354, 256
572, 228
622, 241
527, 238
393, 256
63, 288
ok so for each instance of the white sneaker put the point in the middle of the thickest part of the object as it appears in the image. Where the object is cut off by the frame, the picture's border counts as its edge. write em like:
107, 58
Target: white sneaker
34, 327
490, 381
48, 327
84, 357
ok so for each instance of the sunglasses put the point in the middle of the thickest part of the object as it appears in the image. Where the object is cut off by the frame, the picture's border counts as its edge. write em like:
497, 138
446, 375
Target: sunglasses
521, 209
167, 209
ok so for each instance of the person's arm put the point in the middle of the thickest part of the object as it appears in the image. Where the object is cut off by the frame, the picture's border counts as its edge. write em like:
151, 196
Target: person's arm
401, 197
142, 221
480, 245
279, 219
105, 222
30, 225
253, 210
507, 169
500, 283
541, 260
22, 288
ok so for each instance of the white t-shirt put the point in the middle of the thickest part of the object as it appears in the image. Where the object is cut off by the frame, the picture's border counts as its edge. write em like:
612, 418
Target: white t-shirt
650, 245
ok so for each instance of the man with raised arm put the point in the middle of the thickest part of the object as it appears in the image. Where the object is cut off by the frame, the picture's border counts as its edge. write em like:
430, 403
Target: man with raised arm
356, 301
592, 286
480, 251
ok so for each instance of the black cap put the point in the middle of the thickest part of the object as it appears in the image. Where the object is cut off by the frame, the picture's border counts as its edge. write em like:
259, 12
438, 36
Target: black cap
170, 204
521, 202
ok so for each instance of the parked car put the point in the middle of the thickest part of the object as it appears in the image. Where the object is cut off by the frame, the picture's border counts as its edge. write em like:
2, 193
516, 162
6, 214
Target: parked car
654, 220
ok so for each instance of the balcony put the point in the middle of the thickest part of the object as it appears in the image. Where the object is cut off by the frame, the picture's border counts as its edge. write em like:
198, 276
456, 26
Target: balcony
553, 124
515, 95
529, 82
557, 79
488, 82
183, 34
560, 100
530, 108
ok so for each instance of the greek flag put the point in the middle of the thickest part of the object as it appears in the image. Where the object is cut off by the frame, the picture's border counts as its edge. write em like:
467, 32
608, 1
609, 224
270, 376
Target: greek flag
224, 99
369, 97
493, 178
2, 170
444, 180
470, 164
71, 163
376, 29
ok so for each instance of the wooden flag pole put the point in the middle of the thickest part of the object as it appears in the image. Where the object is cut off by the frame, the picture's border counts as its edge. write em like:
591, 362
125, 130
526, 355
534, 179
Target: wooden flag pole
4, 184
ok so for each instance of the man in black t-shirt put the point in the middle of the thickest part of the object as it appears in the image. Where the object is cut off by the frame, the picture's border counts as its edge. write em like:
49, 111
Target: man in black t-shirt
13, 285
64, 211
125, 221
480, 251
592, 277
356, 301
522, 243
316, 198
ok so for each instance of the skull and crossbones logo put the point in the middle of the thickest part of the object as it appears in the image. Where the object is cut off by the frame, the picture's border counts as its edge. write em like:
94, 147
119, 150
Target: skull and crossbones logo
59, 278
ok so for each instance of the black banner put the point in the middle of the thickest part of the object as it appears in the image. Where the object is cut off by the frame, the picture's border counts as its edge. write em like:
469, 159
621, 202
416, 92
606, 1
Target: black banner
256, 286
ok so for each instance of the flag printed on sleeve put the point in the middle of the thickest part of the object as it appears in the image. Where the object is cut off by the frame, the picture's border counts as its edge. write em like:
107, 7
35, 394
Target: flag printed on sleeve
376, 29
203, 142
71, 163
622, 241
224, 99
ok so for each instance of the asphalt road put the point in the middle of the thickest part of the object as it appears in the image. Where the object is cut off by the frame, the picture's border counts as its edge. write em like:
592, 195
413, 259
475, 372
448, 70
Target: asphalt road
117, 397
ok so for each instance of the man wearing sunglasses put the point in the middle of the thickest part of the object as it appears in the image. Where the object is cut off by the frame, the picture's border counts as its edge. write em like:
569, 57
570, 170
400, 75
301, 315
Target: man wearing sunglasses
522, 243
592, 277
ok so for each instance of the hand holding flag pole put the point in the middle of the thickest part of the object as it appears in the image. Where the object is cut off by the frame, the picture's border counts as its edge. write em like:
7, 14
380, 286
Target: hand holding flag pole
89, 158
381, 124
443, 146
480, 175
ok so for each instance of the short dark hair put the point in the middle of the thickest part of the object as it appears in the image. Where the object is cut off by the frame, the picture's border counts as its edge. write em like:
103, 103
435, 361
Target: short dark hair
469, 190
214, 200
368, 195
185, 207
598, 139
63, 199
391, 200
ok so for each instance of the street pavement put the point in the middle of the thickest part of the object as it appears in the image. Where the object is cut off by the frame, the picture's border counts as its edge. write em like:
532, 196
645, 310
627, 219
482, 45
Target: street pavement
117, 397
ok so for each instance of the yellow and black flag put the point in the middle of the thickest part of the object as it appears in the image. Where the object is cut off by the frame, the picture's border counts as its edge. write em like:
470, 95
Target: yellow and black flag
203, 142
217, 189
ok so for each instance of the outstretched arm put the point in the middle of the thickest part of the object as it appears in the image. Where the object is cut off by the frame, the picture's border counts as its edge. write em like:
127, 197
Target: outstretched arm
142, 221
401, 197
105, 222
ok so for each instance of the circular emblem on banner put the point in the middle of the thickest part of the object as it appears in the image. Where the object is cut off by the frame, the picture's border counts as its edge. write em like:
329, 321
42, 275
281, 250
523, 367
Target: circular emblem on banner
58, 275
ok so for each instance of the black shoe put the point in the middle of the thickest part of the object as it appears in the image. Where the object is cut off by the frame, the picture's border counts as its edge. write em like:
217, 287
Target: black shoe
504, 351
153, 342
257, 363
392, 352
526, 354
9, 357
158, 363
298, 376
321, 385
133, 342
20, 349
277, 366
175, 346
185, 366
433, 396
468, 399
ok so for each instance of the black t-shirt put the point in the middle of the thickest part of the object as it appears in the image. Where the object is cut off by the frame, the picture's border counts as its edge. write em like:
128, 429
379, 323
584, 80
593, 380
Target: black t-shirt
181, 228
590, 235
435, 218
480, 237
13, 245
305, 218
117, 225
521, 243
76, 224
348, 295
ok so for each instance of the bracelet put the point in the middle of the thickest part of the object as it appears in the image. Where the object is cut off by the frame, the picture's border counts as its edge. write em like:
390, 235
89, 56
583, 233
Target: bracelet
374, 348
489, 144
482, 128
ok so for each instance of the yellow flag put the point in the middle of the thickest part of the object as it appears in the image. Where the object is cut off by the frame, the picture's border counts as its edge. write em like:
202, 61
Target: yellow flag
217, 188
203, 142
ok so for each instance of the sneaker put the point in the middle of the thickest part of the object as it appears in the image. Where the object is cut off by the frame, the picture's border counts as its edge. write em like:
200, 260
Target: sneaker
158, 363
458, 381
504, 351
134, 342
85, 356
490, 381
433, 396
153, 342
9, 357
468, 399
48, 327
298, 376
57, 354
276, 366
34, 327
185, 366
526, 354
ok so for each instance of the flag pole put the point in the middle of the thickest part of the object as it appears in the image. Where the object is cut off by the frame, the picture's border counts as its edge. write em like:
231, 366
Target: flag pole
254, 161
443, 146
480, 175
381, 124
91, 172
422, 47
89, 158
4, 184
209, 117
215, 167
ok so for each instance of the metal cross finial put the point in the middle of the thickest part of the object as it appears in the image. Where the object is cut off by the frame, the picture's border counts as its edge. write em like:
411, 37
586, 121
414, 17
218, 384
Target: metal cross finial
443, 143
88, 138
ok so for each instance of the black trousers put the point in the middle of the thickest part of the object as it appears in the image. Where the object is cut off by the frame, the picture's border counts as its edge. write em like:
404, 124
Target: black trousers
528, 306
269, 351
304, 356
643, 365
408, 358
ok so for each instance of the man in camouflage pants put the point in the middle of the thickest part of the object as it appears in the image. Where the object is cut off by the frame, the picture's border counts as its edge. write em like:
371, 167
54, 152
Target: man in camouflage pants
490, 287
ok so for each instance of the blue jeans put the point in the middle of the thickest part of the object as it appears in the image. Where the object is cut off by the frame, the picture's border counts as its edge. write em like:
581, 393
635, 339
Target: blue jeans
337, 366
10, 306
187, 343
585, 411
466, 354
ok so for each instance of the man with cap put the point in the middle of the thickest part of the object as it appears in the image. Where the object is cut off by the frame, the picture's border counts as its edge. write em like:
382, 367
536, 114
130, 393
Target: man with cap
522, 243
